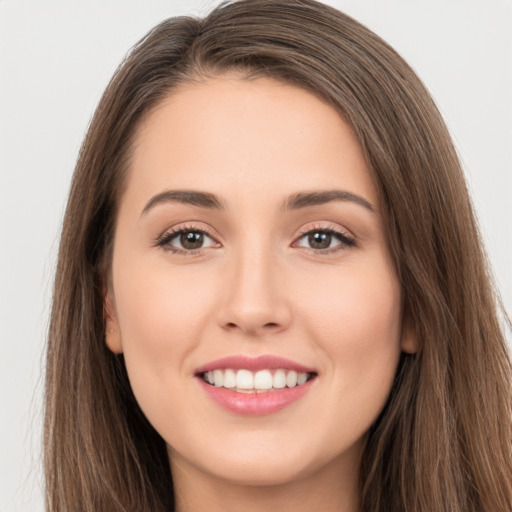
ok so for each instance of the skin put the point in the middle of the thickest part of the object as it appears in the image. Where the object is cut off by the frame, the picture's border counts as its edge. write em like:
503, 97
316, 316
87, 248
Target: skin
256, 287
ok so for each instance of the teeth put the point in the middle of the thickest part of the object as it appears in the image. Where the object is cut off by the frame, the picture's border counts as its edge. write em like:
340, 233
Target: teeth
218, 378
279, 380
245, 381
229, 379
291, 379
302, 378
263, 380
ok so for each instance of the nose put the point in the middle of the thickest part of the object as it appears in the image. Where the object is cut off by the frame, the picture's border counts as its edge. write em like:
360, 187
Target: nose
256, 301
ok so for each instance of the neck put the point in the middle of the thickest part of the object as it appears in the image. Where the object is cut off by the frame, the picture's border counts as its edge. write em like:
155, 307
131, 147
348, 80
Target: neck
333, 487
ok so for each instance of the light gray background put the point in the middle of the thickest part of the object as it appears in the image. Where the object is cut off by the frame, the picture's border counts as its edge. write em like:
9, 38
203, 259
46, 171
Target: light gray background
56, 57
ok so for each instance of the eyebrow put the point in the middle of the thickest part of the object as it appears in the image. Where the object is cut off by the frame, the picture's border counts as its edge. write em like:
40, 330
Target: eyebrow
305, 199
294, 202
192, 197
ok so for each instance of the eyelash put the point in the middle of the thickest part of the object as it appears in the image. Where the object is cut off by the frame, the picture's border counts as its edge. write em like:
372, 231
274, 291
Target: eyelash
345, 240
164, 240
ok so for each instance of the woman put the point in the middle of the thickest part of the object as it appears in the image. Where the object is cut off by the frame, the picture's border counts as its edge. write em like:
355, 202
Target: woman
270, 289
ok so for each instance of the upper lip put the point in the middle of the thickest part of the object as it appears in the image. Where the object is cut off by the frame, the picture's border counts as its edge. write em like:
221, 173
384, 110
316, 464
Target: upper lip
264, 362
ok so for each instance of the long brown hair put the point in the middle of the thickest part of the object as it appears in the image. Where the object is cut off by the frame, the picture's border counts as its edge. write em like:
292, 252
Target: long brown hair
443, 441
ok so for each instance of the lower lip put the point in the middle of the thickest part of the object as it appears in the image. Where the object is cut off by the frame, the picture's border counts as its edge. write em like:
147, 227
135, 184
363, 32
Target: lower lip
255, 404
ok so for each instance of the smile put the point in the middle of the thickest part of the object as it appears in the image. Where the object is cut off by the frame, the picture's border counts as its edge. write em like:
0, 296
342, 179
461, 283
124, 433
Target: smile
262, 381
251, 386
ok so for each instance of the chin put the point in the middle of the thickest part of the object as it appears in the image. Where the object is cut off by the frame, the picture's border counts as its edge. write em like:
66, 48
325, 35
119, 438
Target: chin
261, 473
267, 464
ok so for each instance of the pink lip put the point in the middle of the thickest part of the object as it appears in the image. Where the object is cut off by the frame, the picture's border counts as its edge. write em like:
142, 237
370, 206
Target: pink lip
253, 364
255, 404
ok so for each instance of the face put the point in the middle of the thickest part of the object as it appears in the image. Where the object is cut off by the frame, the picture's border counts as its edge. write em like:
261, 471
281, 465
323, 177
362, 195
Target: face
250, 252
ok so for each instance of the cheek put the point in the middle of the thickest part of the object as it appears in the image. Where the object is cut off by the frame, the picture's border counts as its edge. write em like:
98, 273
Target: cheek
356, 320
157, 304
161, 314
359, 309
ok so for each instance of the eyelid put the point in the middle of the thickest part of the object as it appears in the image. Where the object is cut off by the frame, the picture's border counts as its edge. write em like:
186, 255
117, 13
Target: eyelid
169, 234
345, 238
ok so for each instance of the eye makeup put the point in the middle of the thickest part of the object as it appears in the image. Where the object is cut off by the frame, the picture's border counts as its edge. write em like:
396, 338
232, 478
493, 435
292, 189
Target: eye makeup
188, 240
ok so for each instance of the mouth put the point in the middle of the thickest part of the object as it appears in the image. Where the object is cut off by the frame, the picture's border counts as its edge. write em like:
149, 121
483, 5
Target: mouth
262, 381
255, 386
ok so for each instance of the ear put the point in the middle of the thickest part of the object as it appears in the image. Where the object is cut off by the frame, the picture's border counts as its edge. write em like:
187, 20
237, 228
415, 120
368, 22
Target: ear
409, 340
112, 331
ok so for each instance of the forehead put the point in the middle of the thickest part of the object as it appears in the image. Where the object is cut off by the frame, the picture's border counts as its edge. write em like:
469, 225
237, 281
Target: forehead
228, 134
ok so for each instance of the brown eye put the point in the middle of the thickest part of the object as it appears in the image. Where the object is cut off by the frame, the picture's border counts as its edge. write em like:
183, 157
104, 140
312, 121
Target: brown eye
319, 240
185, 241
191, 239
325, 240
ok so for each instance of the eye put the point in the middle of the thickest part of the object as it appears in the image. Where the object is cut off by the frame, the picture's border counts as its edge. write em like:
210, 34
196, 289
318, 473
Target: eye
186, 240
325, 240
